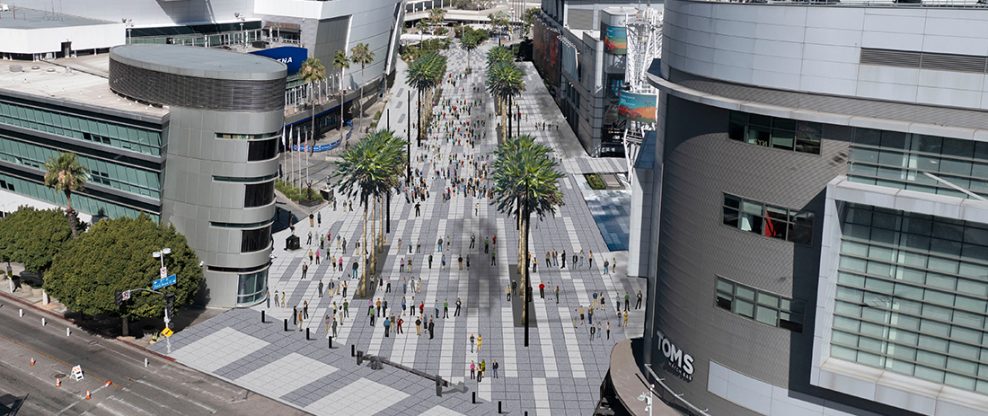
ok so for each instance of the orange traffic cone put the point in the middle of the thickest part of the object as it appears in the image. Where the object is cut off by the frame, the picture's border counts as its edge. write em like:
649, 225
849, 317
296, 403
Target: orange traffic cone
33, 361
89, 396
108, 383
58, 382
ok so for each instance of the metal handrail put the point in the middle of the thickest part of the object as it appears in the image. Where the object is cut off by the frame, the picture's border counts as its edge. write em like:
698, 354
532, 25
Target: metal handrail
678, 396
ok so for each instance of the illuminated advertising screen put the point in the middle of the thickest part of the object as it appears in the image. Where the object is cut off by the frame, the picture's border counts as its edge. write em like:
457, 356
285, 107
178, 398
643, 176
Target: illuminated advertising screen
616, 40
638, 107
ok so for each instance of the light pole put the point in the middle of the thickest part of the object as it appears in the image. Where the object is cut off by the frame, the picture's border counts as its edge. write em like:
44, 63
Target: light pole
129, 23
161, 255
242, 33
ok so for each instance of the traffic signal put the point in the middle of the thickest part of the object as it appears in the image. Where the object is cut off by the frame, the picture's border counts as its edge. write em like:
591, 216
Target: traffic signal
169, 307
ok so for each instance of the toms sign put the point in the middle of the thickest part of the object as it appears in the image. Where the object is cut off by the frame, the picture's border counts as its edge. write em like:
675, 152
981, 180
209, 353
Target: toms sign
677, 361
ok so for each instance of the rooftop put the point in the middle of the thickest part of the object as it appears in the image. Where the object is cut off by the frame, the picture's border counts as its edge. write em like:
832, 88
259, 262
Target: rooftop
200, 62
21, 18
79, 82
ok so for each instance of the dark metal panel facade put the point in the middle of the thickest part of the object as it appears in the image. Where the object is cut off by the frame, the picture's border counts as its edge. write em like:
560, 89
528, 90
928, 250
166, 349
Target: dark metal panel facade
204, 93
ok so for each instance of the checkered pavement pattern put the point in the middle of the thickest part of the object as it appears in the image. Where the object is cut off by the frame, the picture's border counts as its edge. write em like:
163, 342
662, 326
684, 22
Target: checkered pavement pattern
559, 373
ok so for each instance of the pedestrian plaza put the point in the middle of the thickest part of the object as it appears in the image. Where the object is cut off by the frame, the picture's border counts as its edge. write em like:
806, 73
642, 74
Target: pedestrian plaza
559, 373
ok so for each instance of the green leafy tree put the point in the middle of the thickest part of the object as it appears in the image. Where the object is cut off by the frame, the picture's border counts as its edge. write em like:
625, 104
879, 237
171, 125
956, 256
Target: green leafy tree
504, 82
33, 237
362, 55
341, 62
437, 16
114, 256
370, 169
311, 72
64, 173
423, 74
526, 182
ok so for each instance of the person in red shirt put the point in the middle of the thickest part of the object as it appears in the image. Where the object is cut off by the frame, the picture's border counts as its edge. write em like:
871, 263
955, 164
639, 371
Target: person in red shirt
542, 290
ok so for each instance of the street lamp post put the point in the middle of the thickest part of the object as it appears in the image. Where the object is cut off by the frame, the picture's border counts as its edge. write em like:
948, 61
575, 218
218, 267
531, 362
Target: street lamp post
242, 33
161, 256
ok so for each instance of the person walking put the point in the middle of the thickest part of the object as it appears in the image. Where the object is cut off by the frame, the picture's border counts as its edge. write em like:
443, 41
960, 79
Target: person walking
295, 315
418, 326
593, 331
387, 327
608, 329
305, 269
458, 305
627, 301
564, 260
579, 311
400, 323
607, 266
305, 309
557, 294
590, 315
494, 366
638, 303
320, 287
335, 326
480, 342
473, 370
542, 290
473, 341
507, 292
346, 306
483, 368
626, 319
445, 308
432, 328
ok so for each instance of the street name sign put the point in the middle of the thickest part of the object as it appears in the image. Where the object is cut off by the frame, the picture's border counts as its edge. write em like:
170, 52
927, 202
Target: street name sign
164, 282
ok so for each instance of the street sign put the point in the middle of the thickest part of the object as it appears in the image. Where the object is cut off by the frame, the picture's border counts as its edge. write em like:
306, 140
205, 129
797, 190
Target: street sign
164, 282
164, 272
167, 332
125, 295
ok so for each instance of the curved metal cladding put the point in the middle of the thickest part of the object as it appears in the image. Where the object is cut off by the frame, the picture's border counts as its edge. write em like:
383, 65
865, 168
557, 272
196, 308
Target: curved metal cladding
185, 91
701, 165
226, 112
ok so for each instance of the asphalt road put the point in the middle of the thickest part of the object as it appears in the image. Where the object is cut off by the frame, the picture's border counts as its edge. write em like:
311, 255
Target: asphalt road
162, 388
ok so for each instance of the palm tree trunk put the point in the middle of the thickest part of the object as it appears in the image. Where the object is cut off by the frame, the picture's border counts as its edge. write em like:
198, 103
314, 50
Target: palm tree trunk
363, 251
508, 109
526, 285
504, 121
70, 214
312, 125
380, 224
419, 136
373, 246
341, 114
362, 72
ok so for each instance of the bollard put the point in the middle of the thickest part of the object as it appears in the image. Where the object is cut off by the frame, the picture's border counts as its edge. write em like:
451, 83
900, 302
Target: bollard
20, 312
330, 338
43, 322
262, 317
307, 334
286, 324
146, 363
353, 350
360, 357
498, 407
473, 397
68, 332
526, 413
439, 387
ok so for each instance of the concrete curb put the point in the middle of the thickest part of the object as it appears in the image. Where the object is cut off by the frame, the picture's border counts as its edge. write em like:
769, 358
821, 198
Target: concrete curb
61, 319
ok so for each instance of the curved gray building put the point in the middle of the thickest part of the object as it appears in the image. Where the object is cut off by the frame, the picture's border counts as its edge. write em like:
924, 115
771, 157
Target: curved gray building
816, 236
226, 112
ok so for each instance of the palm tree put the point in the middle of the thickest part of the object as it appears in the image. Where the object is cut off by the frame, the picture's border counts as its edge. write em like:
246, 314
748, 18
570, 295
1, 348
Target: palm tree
341, 62
362, 55
504, 81
369, 170
526, 182
425, 73
498, 19
64, 173
312, 72
471, 39
499, 54
437, 16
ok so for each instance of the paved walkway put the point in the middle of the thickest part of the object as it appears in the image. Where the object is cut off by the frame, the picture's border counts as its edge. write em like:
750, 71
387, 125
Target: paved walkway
560, 373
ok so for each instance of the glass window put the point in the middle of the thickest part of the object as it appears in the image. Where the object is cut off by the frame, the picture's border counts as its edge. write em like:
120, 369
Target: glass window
808, 137
255, 240
752, 303
262, 150
779, 133
259, 194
